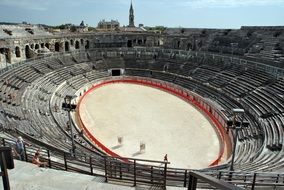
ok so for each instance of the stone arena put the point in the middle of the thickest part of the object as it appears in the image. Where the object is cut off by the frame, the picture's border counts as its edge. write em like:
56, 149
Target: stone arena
112, 104
160, 120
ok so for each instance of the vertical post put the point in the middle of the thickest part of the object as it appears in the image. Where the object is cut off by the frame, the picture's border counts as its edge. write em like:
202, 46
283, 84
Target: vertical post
26, 155
6, 64
110, 168
189, 182
220, 175
105, 168
71, 129
185, 178
236, 137
120, 171
65, 161
234, 149
68, 106
115, 166
253, 181
151, 173
49, 161
192, 183
91, 166
134, 169
4, 172
165, 175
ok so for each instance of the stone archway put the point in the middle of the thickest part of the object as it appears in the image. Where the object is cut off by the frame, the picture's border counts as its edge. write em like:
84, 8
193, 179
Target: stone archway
129, 43
57, 47
178, 44
47, 45
37, 46
8, 56
27, 52
189, 47
17, 51
67, 47
87, 46
77, 45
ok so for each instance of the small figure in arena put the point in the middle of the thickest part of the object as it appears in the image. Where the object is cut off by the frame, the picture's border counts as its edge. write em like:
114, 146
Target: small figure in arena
166, 158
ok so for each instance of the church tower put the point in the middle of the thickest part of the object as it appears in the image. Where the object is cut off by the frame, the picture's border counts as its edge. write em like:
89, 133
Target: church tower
131, 16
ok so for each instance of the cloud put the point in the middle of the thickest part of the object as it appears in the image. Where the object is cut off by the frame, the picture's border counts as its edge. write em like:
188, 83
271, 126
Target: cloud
36, 5
232, 3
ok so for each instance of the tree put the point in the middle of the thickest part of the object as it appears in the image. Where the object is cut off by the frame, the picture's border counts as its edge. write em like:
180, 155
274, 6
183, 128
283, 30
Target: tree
73, 28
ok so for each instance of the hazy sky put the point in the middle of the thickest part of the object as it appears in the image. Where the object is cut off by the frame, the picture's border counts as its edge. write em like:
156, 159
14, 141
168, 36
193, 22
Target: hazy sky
171, 13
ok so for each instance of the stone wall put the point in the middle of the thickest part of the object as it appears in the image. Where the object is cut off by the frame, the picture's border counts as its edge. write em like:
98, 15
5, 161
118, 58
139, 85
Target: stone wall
225, 41
20, 49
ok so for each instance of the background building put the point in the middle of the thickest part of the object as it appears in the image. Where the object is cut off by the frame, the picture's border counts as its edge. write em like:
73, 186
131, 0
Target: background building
104, 25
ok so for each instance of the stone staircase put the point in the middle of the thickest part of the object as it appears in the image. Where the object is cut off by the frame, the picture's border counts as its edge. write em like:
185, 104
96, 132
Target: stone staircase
266, 50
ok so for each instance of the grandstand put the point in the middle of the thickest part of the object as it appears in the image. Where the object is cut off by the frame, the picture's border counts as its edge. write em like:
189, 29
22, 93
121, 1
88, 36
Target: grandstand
208, 72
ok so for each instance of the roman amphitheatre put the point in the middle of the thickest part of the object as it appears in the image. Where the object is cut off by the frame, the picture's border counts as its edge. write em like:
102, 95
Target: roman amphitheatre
209, 99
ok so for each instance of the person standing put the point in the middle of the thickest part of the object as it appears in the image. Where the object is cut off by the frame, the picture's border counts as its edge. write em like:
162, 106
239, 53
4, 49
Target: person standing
166, 158
20, 148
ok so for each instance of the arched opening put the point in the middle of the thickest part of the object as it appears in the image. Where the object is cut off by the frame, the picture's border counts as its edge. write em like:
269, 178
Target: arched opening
18, 52
189, 46
47, 45
66, 46
129, 43
82, 41
36, 46
42, 45
56, 47
72, 42
77, 45
87, 46
178, 44
27, 52
8, 56
166, 68
32, 46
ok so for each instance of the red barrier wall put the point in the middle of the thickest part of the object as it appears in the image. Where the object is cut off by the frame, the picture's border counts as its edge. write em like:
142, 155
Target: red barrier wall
165, 87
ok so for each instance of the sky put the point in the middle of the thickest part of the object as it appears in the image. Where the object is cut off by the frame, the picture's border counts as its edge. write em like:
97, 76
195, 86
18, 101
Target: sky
169, 13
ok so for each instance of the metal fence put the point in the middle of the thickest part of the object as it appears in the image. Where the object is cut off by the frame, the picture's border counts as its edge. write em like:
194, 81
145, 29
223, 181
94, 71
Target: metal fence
148, 172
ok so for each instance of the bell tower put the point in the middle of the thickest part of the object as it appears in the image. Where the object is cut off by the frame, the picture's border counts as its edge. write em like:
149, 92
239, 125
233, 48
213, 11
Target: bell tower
131, 16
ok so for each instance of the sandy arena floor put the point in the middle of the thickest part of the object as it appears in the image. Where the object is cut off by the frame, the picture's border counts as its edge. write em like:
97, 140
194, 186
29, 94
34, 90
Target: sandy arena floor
164, 122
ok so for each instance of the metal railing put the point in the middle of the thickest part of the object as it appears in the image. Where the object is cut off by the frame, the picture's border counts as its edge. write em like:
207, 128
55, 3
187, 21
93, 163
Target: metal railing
216, 183
148, 172
144, 171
